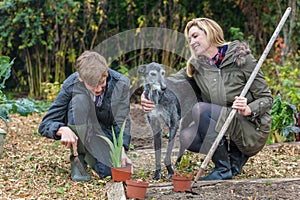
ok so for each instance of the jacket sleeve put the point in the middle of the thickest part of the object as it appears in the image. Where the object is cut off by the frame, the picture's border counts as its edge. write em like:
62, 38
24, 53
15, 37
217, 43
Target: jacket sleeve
181, 76
259, 90
121, 107
56, 116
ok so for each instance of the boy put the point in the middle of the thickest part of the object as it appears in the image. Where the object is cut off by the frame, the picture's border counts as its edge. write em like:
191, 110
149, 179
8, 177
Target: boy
91, 102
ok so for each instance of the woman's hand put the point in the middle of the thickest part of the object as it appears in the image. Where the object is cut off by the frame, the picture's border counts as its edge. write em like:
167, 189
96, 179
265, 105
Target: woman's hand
240, 104
147, 104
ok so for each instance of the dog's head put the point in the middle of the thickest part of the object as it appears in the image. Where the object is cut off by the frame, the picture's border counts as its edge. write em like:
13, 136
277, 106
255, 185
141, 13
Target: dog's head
153, 75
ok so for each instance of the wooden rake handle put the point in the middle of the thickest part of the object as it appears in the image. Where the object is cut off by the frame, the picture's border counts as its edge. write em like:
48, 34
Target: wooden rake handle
243, 93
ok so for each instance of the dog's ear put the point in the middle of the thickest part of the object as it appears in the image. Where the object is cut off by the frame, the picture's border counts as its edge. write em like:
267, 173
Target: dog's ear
142, 69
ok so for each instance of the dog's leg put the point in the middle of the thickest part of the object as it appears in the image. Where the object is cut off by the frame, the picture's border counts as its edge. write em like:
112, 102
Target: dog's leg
168, 163
156, 128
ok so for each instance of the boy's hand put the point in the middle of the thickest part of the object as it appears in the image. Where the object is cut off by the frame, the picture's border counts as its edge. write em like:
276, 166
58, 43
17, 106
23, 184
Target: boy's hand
125, 160
68, 137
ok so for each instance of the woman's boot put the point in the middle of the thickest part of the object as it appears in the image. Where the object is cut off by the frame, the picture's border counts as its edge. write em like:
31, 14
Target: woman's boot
237, 159
222, 170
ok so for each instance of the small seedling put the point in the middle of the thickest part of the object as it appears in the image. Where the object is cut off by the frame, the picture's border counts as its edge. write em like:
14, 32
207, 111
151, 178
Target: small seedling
116, 146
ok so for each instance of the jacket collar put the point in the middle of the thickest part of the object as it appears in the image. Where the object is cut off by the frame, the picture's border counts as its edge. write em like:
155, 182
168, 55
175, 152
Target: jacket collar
236, 53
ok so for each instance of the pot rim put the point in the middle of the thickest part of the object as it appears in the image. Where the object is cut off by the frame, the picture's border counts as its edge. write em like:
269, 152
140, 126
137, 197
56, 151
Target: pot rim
137, 182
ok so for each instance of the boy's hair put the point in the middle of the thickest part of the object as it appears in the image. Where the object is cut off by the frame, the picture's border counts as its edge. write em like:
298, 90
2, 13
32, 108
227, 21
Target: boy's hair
91, 67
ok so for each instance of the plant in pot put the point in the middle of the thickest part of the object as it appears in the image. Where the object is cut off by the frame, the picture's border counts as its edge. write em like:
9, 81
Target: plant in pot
182, 177
119, 173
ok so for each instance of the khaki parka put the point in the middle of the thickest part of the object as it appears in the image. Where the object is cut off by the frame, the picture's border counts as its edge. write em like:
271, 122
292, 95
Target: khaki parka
220, 86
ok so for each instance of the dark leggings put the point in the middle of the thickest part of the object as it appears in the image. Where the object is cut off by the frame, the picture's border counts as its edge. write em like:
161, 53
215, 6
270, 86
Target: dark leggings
199, 136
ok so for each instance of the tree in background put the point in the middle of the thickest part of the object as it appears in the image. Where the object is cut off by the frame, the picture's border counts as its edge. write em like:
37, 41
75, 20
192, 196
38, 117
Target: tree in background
46, 36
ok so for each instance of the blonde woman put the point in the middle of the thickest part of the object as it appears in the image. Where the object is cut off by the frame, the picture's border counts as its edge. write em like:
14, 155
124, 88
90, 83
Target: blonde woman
220, 70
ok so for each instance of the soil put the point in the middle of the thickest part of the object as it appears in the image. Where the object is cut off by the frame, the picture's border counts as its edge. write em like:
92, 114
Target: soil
35, 167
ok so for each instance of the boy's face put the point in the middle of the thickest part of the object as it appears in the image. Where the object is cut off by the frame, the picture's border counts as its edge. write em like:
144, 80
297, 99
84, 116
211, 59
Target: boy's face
99, 89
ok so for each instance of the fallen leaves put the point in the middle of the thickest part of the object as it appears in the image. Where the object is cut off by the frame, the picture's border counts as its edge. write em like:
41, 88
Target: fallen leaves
35, 167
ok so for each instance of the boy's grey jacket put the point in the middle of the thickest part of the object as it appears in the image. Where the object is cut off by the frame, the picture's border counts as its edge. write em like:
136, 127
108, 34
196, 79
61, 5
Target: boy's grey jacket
112, 112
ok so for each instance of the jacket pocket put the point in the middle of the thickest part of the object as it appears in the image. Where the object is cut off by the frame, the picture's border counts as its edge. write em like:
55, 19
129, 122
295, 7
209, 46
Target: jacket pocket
265, 122
255, 134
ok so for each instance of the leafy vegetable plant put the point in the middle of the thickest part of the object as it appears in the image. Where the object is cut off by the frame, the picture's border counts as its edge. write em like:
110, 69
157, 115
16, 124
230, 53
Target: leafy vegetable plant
22, 106
283, 122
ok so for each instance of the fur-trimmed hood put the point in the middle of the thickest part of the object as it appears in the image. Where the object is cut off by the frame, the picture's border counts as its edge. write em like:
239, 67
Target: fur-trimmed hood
239, 52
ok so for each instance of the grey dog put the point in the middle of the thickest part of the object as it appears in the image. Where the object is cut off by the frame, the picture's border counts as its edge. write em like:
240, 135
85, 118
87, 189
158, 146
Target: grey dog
173, 101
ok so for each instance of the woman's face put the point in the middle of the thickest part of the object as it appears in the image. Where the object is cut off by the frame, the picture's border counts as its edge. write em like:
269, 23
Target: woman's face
198, 41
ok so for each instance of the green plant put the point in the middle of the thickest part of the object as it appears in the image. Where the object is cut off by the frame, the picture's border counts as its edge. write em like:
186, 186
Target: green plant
5, 69
21, 106
236, 33
184, 166
283, 123
116, 146
281, 78
50, 90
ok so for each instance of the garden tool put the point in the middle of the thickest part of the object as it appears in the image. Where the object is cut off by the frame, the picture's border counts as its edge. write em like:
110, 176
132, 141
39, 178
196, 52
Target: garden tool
77, 161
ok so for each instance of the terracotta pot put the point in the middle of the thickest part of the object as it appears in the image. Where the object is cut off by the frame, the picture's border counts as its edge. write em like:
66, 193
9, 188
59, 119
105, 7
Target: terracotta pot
181, 182
120, 174
136, 189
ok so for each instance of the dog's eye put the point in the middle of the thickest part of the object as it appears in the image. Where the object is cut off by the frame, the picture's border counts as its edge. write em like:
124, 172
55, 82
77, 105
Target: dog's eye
162, 73
152, 73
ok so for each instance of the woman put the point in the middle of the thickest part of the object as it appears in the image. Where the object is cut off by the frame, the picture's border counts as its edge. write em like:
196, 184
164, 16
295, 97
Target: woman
221, 70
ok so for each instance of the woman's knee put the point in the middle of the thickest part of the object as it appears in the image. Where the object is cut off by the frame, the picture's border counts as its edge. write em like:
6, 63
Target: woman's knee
188, 135
189, 140
200, 109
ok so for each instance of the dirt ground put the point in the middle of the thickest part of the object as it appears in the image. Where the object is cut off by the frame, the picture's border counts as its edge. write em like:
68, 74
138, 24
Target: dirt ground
35, 167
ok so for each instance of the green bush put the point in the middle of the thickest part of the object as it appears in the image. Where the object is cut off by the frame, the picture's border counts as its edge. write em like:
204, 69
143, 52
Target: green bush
284, 79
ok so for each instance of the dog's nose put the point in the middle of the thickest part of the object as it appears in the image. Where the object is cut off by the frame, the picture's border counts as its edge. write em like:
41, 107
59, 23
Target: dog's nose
163, 87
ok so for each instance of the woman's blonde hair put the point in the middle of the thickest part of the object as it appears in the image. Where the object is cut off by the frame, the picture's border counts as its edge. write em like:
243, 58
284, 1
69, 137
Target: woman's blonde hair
91, 67
213, 31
